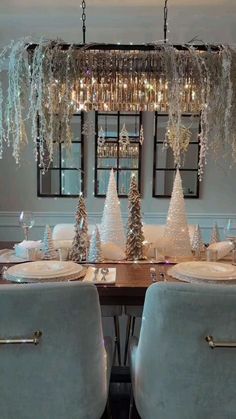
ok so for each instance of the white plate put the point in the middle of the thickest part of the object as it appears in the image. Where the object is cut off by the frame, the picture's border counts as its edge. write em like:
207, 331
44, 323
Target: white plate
203, 271
44, 271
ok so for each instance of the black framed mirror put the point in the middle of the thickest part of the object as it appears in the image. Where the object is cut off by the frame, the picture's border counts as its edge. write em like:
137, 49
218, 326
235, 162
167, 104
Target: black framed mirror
113, 152
163, 165
65, 175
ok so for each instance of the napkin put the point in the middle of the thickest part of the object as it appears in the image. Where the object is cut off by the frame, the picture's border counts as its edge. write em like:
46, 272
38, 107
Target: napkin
90, 276
28, 249
29, 244
222, 248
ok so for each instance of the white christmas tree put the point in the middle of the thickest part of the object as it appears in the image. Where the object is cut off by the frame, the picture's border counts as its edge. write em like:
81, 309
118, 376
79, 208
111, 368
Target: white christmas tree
215, 235
197, 242
95, 251
48, 249
176, 235
112, 230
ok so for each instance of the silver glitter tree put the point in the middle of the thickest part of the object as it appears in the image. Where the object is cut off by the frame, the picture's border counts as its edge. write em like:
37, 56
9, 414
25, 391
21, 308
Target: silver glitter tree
95, 251
176, 235
197, 242
49, 251
80, 243
135, 236
215, 235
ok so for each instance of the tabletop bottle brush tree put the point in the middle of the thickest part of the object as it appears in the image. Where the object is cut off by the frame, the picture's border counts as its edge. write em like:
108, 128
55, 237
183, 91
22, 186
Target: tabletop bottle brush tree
197, 244
95, 250
215, 234
80, 245
49, 251
135, 236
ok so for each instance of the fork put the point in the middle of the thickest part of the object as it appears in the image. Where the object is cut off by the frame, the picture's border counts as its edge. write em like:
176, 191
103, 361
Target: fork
163, 276
95, 274
104, 272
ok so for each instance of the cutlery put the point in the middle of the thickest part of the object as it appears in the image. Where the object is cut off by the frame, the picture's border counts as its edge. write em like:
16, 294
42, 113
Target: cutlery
162, 276
95, 274
104, 272
3, 270
153, 274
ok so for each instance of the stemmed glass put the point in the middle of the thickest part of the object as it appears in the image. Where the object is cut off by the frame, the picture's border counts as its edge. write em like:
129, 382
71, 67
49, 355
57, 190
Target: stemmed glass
230, 234
230, 230
26, 221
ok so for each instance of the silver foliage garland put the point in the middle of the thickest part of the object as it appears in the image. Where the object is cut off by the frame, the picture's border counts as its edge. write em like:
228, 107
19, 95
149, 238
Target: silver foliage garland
52, 83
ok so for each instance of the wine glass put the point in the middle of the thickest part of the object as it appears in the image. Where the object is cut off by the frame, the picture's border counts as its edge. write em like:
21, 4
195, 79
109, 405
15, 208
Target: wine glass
26, 221
230, 234
230, 230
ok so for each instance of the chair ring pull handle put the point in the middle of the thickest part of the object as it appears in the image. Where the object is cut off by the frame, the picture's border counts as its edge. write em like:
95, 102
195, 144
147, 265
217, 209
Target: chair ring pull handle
12, 341
214, 344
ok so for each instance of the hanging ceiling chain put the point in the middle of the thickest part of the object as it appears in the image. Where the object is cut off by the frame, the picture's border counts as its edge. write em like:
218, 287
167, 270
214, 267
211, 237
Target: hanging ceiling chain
165, 21
83, 5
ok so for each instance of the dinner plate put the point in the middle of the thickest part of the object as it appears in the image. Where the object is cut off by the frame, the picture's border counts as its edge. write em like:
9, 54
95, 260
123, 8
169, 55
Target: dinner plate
204, 271
44, 271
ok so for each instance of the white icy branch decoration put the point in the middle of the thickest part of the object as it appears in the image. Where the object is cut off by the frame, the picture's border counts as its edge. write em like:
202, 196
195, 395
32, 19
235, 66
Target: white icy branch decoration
53, 83
112, 230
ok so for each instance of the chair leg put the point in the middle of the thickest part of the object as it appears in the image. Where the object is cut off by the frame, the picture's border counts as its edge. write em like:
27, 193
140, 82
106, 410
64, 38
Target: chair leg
117, 338
107, 412
128, 328
133, 413
133, 325
131, 405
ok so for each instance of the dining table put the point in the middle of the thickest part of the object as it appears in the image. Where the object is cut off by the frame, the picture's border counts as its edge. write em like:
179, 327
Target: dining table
132, 280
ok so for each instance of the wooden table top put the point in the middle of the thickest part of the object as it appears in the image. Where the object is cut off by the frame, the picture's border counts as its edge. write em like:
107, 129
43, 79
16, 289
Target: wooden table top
132, 281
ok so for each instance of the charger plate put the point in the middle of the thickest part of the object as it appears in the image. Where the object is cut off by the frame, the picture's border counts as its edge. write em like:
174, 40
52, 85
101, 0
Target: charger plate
45, 270
211, 272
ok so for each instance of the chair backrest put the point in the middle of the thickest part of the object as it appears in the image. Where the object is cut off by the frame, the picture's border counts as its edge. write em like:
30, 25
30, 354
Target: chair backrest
178, 376
64, 376
63, 231
154, 232
67, 231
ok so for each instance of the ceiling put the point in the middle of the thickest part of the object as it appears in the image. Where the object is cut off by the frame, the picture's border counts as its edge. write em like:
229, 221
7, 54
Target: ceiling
119, 20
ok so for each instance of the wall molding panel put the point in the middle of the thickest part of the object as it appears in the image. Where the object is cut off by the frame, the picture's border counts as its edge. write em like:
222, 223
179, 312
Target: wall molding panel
10, 229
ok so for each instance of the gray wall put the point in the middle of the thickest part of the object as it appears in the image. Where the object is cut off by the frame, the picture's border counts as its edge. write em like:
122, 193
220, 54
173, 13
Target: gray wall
18, 191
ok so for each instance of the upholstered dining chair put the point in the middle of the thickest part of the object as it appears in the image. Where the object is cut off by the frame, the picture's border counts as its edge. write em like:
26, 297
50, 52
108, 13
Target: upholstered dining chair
54, 361
154, 234
184, 364
64, 233
132, 313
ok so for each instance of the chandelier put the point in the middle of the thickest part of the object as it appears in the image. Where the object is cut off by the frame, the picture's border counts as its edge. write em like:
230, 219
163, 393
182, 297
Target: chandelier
59, 79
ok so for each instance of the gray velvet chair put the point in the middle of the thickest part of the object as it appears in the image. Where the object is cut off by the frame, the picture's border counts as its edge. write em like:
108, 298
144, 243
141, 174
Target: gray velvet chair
176, 371
64, 376
63, 234
132, 313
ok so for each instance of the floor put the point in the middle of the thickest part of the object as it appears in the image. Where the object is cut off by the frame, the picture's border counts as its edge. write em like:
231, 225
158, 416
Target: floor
120, 391
119, 400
